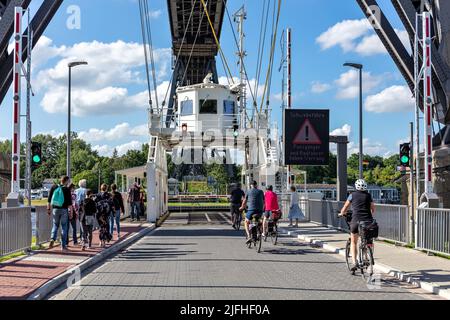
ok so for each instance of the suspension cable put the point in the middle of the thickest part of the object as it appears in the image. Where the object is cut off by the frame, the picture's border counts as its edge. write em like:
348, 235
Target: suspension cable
261, 45
179, 52
152, 58
272, 53
144, 39
217, 40
237, 45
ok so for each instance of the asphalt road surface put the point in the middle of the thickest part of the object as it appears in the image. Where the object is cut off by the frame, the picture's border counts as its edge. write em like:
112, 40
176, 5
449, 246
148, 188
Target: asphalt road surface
200, 257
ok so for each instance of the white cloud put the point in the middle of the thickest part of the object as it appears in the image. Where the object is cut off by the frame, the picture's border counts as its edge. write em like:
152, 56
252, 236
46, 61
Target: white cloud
392, 99
155, 14
107, 151
120, 131
346, 130
370, 148
100, 87
357, 36
348, 83
344, 34
319, 87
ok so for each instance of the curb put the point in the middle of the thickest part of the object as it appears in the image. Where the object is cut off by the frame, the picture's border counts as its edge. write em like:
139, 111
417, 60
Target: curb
51, 285
382, 268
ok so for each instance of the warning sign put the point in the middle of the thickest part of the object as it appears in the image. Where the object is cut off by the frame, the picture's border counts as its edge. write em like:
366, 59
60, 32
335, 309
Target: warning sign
307, 137
307, 134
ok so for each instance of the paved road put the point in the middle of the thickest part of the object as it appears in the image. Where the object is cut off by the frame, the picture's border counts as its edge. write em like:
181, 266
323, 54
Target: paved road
209, 261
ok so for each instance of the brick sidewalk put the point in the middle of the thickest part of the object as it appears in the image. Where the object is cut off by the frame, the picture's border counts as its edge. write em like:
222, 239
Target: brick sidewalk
430, 272
19, 278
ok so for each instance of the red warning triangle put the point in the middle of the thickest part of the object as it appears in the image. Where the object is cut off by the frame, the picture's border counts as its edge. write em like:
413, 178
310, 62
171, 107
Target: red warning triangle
307, 135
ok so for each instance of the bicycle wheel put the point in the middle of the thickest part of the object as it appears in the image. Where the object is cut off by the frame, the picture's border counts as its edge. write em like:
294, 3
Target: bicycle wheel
259, 240
348, 257
367, 269
274, 235
238, 221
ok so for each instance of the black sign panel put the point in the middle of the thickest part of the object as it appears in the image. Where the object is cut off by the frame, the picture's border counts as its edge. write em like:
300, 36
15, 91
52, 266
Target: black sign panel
307, 137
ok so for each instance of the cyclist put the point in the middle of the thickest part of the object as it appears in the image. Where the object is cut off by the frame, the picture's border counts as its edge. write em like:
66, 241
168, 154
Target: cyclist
254, 202
363, 209
271, 205
236, 198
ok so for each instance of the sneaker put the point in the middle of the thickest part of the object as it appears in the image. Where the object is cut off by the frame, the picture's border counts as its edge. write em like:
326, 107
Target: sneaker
290, 226
354, 268
249, 240
52, 244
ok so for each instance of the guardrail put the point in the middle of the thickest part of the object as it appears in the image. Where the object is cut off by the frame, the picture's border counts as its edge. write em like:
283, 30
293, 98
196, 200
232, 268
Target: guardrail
392, 219
44, 224
15, 230
433, 230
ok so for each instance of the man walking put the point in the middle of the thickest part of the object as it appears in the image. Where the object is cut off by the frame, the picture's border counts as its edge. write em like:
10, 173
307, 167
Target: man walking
134, 198
59, 204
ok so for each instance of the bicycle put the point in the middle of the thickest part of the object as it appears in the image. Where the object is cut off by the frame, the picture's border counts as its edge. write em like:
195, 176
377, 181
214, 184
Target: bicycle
255, 229
365, 261
236, 218
273, 227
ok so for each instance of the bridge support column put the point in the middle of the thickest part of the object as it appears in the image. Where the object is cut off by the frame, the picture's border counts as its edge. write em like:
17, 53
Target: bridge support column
152, 206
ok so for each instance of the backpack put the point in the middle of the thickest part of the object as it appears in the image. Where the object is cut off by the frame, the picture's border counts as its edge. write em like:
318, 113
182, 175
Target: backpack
58, 197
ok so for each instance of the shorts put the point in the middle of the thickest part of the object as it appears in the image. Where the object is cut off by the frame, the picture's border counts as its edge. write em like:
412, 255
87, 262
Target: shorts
267, 214
234, 209
249, 215
354, 225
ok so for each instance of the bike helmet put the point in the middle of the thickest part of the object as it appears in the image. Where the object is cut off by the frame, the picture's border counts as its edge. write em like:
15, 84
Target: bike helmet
361, 185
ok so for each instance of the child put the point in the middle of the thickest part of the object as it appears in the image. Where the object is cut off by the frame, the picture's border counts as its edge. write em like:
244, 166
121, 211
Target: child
88, 212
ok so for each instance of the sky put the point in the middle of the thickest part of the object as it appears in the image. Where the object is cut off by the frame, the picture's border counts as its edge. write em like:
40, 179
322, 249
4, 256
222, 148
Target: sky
110, 98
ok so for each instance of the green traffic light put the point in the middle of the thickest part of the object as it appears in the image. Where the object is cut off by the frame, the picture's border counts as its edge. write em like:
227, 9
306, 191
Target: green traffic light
405, 160
36, 159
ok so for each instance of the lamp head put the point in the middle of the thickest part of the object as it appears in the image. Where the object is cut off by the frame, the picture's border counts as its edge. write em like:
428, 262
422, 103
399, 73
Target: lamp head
76, 63
353, 65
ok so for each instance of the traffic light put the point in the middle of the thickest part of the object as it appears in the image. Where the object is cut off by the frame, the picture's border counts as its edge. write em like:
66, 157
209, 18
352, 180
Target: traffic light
36, 154
405, 154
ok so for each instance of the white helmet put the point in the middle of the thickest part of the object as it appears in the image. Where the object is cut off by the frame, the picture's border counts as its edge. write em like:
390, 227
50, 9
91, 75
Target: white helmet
361, 185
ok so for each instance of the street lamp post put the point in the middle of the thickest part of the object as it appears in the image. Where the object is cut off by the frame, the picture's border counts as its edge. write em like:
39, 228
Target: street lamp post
69, 129
361, 142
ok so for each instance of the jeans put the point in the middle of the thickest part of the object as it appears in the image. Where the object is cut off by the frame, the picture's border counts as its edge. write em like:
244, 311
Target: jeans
60, 216
116, 217
72, 223
135, 210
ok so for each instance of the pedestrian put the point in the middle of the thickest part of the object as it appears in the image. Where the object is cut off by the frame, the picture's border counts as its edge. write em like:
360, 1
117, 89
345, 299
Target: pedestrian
271, 205
118, 209
88, 211
59, 203
73, 216
142, 200
134, 198
81, 193
294, 210
105, 208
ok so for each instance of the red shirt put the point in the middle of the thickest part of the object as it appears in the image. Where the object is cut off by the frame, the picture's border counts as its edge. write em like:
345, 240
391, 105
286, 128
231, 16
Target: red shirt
271, 201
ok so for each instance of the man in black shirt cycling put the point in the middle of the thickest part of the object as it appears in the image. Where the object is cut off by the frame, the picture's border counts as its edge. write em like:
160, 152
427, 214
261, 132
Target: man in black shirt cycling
363, 209
236, 198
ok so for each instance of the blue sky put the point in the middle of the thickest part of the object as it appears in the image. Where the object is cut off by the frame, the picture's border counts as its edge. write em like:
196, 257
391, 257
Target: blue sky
109, 95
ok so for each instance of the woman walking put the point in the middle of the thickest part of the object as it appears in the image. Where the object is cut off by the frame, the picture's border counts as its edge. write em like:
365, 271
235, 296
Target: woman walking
294, 211
73, 216
105, 208
118, 209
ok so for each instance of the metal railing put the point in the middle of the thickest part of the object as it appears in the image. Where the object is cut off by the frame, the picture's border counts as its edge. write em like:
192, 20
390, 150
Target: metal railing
44, 224
392, 219
15, 230
394, 222
284, 200
433, 230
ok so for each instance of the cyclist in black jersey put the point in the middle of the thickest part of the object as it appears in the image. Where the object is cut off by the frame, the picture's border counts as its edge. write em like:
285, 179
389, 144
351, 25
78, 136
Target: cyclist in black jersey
363, 209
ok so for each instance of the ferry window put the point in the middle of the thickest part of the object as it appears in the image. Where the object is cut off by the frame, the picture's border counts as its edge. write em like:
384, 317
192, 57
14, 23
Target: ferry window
187, 107
208, 107
229, 107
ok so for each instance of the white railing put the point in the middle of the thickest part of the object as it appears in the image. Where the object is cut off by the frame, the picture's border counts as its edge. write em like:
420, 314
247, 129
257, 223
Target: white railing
44, 224
15, 230
433, 230
392, 219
